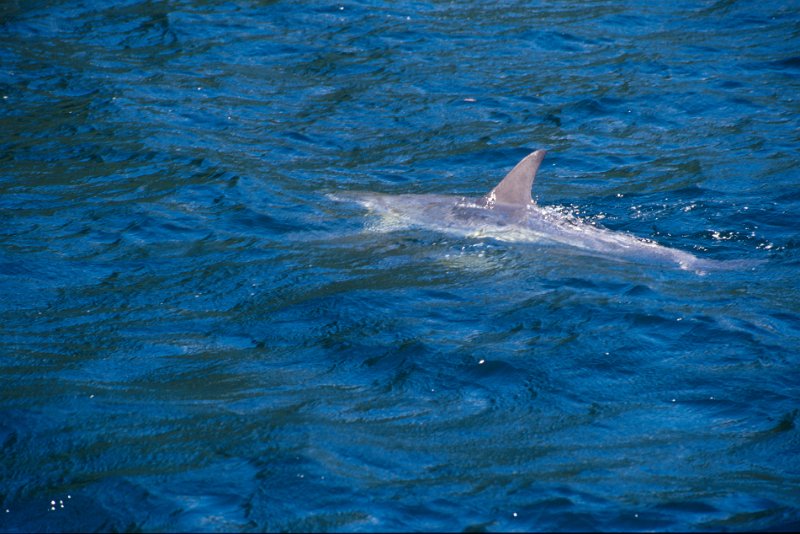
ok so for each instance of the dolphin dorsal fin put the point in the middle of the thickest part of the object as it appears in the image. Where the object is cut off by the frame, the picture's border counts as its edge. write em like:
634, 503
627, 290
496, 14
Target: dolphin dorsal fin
515, 188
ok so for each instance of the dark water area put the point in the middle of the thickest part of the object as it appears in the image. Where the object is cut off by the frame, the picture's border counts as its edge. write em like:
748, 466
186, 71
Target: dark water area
195, 337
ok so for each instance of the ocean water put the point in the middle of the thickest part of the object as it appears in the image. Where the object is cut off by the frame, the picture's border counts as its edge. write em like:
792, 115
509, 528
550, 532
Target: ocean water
195, 337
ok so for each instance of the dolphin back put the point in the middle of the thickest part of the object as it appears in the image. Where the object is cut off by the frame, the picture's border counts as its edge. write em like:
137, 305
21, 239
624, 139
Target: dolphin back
515, 188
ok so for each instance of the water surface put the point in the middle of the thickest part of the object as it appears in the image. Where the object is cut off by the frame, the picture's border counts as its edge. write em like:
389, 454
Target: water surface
194, 337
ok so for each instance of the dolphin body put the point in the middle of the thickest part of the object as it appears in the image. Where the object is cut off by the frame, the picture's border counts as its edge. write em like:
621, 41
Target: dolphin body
508, 213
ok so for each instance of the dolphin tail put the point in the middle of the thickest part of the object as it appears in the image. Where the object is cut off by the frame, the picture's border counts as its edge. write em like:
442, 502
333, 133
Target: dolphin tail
515, 188
704, 266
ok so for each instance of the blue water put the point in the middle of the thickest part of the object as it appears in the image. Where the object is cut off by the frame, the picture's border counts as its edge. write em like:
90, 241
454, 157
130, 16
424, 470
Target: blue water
194, 336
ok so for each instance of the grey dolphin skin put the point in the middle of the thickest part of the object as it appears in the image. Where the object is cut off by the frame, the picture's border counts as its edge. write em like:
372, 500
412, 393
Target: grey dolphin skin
508, 213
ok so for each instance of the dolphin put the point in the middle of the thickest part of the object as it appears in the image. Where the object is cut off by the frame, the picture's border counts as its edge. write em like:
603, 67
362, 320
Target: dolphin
509, 213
